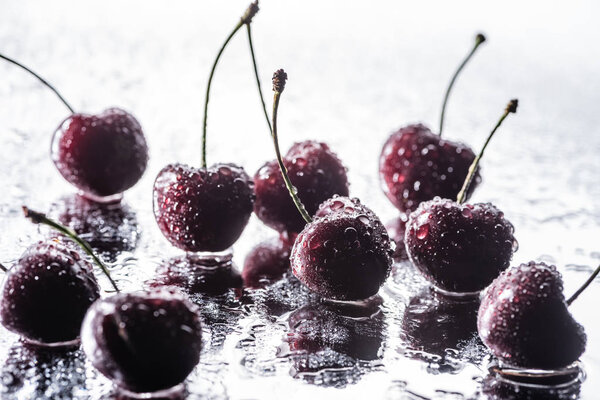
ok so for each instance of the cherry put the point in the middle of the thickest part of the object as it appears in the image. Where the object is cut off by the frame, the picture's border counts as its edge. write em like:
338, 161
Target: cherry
143, 342
417, 165
102, 155
202, 209
206, 209
343, 255
524, 319
315, 171
267, 262
459, 247
47, 293
197, 275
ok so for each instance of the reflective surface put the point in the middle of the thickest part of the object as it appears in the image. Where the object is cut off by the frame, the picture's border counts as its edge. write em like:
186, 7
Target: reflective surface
356, 73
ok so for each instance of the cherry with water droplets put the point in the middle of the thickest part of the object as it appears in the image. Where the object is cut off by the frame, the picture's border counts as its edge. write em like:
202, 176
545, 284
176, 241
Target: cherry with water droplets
459, 253
46, 294
315, 171
417, 165
524, 319
145, 341
202, 209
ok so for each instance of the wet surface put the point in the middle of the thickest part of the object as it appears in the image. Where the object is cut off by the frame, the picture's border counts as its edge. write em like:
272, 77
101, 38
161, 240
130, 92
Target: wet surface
381, 67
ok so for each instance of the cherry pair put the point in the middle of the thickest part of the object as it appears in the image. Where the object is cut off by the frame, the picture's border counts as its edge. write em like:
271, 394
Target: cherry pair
144, 342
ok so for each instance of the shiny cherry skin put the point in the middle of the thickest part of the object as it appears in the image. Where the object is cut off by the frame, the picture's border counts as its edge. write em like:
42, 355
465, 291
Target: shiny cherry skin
524, 319
47, 293
102, 155
417, 165
145, 341
317, 173
343, 255
202, 210
459, 248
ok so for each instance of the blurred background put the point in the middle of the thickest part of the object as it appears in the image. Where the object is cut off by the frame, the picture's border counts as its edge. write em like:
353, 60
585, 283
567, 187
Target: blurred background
357, 71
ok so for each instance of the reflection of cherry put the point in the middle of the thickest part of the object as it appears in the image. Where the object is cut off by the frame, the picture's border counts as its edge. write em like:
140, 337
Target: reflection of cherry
110, 228
32, 372
267, 262
497, 389
433, 323
352, 330
197, 275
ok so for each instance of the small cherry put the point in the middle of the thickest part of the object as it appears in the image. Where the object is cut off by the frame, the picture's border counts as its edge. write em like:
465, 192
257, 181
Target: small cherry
266, 263
206, 209
103, 154
417, 165
524, 318
461, 248
47, 293
143, 342
341, 255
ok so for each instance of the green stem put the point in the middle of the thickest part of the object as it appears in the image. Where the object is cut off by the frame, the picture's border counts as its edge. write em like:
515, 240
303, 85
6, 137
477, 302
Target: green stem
40, 218
210, 78
278, 84
262, 99
584, 286
510, 108
48, 85
478, 40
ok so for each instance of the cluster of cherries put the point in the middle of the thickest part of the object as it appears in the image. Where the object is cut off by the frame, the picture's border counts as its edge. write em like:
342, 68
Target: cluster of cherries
336, 246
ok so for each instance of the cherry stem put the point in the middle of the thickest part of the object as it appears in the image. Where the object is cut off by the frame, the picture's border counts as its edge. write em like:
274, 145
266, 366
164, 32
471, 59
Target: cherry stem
3, 268
510, 108
584, 286
49, 86
262, 99
479, 39
279, 78
40, 218
245, 20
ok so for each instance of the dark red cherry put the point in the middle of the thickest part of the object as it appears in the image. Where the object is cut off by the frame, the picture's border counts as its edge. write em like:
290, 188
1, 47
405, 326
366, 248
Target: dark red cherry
417, 165
343, 255
47, 293
201, 209
102, 155
315, 171
267, 262
396, 228
524, 320
144, 341
459, 248
197, 275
